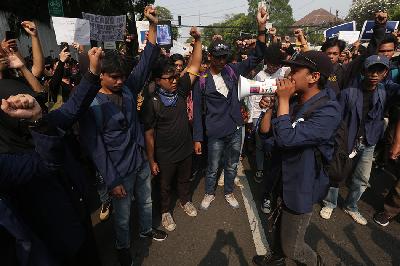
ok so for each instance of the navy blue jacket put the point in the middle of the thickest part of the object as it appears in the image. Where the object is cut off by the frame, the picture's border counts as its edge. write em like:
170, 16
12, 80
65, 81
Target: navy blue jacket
114, 139
223, 114
351, 102
36, 172
302, 185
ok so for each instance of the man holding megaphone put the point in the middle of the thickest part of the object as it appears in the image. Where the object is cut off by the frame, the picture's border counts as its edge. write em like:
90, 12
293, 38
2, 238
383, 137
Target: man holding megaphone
303, 133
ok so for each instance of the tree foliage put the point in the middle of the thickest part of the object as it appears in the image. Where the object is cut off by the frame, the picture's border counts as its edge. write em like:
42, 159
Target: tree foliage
362, 10
236, 26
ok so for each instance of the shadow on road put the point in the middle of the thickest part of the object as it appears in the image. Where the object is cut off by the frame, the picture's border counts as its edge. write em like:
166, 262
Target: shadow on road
216, 255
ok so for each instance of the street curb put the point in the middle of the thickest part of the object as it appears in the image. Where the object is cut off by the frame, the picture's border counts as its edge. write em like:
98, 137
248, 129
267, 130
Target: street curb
258, 233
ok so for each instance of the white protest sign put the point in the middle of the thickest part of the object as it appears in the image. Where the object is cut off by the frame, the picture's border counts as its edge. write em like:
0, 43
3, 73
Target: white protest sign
110, 45
71, 30
142, 29
180, 48
349, 36
106, 28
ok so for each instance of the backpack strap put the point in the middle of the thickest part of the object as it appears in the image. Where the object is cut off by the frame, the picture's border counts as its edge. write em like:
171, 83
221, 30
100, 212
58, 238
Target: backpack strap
319, 158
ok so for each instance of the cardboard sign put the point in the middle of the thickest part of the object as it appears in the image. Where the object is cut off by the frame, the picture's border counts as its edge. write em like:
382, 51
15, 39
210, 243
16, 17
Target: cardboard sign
334, 31
71, 30
349, 36
142, 28
367, 30
106, 28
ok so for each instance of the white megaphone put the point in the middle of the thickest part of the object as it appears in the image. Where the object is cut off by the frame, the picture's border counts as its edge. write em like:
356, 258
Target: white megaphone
249, 87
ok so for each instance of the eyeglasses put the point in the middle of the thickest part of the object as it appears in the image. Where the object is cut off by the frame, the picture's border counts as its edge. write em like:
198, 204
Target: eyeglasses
171, 78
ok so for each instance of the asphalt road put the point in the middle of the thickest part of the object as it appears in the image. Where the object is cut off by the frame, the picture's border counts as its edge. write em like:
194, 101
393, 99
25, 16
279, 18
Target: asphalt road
221, 236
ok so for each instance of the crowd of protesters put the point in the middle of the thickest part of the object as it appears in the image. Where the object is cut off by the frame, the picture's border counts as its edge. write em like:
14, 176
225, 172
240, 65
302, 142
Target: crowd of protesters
66, 124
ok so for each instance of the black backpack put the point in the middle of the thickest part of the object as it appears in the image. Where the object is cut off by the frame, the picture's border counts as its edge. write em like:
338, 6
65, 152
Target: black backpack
340, 167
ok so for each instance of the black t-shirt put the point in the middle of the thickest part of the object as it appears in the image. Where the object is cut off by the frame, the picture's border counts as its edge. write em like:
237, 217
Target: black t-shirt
367, 105
173, 139
14, 138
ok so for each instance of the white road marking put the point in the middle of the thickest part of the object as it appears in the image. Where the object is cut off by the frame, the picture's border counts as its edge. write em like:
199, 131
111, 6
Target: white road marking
259, 238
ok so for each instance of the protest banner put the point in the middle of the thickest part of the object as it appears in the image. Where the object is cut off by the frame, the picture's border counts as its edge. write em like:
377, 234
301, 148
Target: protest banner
367, 29
106, 28
71, 30
349, 37
334, 31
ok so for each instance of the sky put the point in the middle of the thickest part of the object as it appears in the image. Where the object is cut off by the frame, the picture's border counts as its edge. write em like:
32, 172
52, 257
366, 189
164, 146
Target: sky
206, 12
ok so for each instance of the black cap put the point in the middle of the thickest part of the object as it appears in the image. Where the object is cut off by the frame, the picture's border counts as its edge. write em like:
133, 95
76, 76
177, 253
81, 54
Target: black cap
219, 48
315, 60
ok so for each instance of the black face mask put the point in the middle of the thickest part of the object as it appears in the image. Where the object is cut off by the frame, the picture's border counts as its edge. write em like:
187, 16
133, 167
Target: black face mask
67, 73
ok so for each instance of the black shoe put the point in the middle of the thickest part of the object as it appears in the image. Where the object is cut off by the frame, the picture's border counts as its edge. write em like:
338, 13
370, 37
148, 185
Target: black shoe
124, 257
264, 260
155, 234
381, 219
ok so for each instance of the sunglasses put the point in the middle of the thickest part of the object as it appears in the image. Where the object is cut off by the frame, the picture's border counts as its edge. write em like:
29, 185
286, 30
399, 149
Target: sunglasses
171, 78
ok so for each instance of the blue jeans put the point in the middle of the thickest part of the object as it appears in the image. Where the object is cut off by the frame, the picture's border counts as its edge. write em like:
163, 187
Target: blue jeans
102, 189
137, 186
259, 148
229, 148
359, 180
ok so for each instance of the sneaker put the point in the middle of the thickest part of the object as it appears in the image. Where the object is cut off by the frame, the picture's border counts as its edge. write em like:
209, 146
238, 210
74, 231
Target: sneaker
264, 260
381, 218
205, 203
238, 183
259, 176
357, 217
326, 212
168, 222
230, 198
266, 206
155, 234
221, 180
105, 211
190, 209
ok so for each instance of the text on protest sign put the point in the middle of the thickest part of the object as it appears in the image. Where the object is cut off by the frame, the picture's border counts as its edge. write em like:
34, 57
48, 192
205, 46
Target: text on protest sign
106, 28
334, 31
367, 30
71, 30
